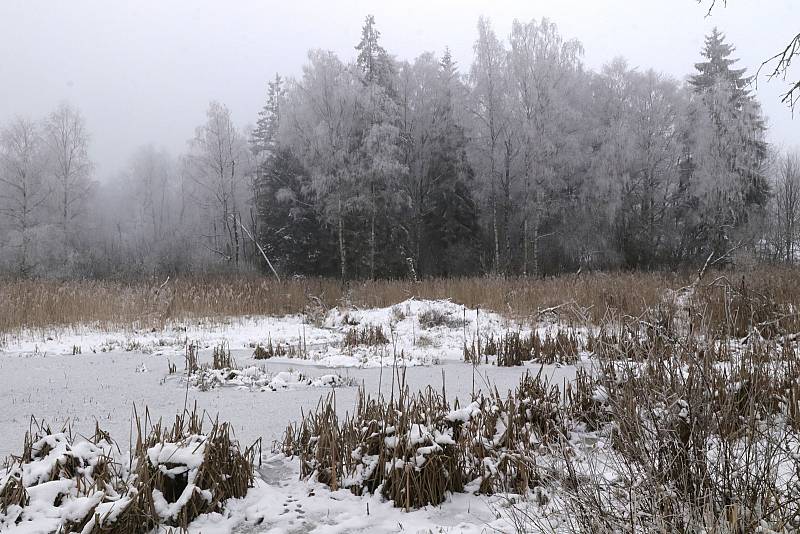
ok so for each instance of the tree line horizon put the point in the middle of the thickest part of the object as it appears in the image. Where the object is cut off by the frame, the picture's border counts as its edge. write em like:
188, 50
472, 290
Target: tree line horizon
527, 163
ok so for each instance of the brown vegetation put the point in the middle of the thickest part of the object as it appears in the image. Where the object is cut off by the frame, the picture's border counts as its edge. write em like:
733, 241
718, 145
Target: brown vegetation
415, 448
513, 349
694, 400
147, 303
370, 336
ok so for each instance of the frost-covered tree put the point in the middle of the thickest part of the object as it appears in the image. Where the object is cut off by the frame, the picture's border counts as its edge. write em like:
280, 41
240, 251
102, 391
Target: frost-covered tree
442, 216
152, 174
323, 126
373, 60
264, 142
290, 229
487, 75
779, 64
544, 71
640, 160
419, 86
786, 206
219, 163
142, 216
67, 139
453, 234
730, 150
264, 137
23, 186
380, 165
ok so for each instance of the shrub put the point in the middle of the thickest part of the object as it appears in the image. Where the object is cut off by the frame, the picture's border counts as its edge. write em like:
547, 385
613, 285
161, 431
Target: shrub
432, 317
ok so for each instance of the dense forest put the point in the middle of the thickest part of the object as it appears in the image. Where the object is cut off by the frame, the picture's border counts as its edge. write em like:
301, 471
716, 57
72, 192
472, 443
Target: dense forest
525, 162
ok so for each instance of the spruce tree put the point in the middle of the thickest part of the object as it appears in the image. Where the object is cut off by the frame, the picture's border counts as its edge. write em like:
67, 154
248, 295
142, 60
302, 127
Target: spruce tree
290, 229
730, 149
263, 141
379, 154
718, 67
452, 234
372, 60
264, 136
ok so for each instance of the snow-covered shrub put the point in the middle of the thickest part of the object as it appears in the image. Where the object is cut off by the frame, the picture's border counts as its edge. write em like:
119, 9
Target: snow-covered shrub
65, 484
435, 317
59, 482
694, 444
415, 449
188, 472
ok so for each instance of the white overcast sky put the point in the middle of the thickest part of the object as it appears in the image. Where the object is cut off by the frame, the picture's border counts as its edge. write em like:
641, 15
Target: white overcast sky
143, 71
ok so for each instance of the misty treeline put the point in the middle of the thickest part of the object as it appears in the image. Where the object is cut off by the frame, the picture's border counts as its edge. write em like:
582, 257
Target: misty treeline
524, 162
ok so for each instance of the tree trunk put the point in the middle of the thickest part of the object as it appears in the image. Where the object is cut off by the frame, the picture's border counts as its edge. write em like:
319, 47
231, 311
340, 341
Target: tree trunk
372, 234
494, 204
24, 229
507, 208
342, 259
65, 219
535, 271
235, 241
495, 231
506, 235
418, 244
526, 208
525, 245
234, 213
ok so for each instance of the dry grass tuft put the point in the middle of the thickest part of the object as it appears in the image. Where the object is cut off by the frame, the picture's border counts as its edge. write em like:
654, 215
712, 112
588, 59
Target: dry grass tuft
513, 349
277, 349
221, 357
191, 359
433, 317
370, 336
703, 429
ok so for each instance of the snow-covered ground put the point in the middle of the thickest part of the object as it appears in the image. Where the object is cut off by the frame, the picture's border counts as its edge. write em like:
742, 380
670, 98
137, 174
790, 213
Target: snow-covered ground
85, 376
105, 387
412, 341
281, 502
115, 371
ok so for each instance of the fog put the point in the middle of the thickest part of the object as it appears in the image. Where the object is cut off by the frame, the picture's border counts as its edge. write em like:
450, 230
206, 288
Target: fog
144, 72
408, 139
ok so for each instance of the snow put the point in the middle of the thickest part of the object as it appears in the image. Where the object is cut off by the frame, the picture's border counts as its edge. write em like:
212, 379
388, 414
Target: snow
117, 372
252, 414
463, 415
280, 502
188, 453
55, 499
411, 342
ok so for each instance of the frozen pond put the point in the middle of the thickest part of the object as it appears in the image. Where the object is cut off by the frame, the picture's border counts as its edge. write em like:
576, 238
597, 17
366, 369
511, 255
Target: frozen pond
106, 386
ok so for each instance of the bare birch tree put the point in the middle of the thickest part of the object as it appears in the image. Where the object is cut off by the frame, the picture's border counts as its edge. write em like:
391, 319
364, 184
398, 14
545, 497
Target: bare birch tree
23, 187
787, 205
218, 164
68, 146
486, 78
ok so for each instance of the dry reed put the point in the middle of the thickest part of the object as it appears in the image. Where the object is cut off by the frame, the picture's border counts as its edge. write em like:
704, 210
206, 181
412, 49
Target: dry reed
149, 490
